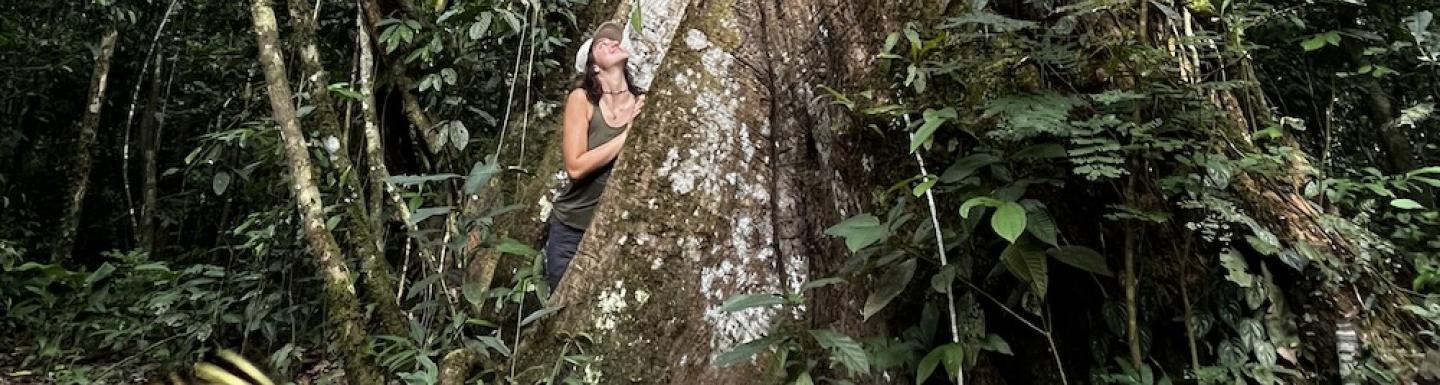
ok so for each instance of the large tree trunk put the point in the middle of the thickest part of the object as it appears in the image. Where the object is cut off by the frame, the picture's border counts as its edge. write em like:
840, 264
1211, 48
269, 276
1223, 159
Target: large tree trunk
342, 306
733, 172
80, 158
378, 282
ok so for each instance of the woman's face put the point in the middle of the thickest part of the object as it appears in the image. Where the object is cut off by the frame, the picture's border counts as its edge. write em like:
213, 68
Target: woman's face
608, 53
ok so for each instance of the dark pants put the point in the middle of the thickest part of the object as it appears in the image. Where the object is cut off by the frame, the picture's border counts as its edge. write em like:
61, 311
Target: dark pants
559, 249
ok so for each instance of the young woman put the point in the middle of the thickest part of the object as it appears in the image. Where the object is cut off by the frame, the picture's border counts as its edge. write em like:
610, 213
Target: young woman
597, 122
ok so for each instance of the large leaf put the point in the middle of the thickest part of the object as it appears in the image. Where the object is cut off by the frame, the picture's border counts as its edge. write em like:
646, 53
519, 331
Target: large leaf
1026, 261
480, 174
933, 119
978, 201
964, 167
894, 281
1083, 258
510, 246
1039, 224
746, 301
745, 351
1406, 204
1009, 221
951, 354
422, 213
843, 350
859, 231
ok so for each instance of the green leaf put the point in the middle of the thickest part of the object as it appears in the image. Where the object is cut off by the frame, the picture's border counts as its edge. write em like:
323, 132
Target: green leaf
539, 314
933, 119
964, 167
942, 281
894, 281
1424, 170
996, 344
978, 201
950, 354
473, 293
819, 283
407, 180
1083, 258
1039, 224
1009, 221
843, 350
421, 214
220, 182
1406, 204
746, 301
480, 174
100, 273
745, 351
1235, 265
803, 379
482, 27
924, 186
859, 231
637, 20
510, 246
1313, 43
1026, 262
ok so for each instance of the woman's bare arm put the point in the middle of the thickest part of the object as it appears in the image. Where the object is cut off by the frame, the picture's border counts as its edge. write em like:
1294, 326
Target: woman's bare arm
579, 161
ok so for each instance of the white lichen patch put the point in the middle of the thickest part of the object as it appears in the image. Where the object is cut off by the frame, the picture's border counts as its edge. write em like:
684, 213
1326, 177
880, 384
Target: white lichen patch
641, 297
696, 40
610, 304
657, 263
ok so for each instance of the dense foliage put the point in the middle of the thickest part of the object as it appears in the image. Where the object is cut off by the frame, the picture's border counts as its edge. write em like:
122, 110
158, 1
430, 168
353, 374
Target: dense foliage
1080, 201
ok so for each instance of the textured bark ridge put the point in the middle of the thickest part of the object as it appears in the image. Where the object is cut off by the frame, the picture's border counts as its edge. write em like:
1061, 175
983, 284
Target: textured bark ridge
733, 172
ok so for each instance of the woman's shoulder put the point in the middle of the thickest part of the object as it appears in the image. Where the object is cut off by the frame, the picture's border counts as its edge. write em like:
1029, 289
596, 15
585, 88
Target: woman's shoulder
578, 98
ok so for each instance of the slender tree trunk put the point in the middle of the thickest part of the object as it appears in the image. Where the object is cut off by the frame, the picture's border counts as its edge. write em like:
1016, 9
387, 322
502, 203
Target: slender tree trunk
717, 193
342, 306
149, 143
378, 278
80, 159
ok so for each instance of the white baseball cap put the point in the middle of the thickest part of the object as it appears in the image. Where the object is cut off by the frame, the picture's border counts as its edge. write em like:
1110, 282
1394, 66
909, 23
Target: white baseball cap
609, 29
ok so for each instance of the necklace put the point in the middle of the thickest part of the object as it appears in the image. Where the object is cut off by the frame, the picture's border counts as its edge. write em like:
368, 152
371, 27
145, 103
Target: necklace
603, 91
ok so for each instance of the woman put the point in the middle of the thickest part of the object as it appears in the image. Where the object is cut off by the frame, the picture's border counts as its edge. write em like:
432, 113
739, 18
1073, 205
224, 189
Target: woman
597, 121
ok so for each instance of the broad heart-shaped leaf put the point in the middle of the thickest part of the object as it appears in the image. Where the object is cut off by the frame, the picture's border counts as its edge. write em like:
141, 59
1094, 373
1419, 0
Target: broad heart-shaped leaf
933, 119
1009, 221
746, 301
1406, 204
859, 231
1235, 265
843, 350
480, 174
745, 351
1026, 261
220, 183
894, 281
951, 354
1083, 258
964, 167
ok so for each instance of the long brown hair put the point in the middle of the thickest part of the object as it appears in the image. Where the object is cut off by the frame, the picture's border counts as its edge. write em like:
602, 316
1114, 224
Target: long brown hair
590, 81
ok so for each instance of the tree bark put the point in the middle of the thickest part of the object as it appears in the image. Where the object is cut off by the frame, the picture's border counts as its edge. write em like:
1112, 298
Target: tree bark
80, 161
378, 280
734, 170
342, 306
149, 144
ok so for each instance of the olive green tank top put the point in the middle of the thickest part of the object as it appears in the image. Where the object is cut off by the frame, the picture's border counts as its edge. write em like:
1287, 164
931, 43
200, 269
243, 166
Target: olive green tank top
575, 204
